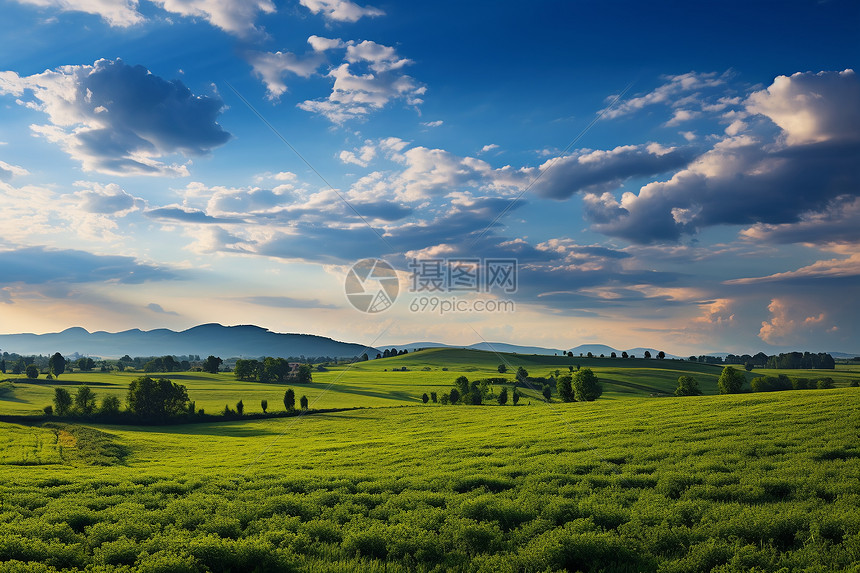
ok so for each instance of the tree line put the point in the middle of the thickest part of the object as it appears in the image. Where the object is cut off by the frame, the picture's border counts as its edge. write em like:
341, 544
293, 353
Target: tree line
270, 369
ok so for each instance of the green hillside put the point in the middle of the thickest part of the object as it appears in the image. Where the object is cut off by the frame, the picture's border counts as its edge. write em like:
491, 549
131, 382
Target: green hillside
764, 482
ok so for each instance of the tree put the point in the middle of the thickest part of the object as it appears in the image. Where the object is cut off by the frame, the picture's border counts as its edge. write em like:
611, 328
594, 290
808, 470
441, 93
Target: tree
687, 386
156, 399
564, 389
85, 400
32, 372
590, 355
647, 354
211, 364
503, 397
62, 401
240, 407
661, 355
825, 383
303, 401
56, 364
48, 410
522, 375
624, 354
730, 381
264, 404
613, 355
110, 405
749, 366
547, 392
290, 400
303, 374
502, 368
586, 386
515, 397
454, 396
86, 364
433, 397
425, 398
462, 384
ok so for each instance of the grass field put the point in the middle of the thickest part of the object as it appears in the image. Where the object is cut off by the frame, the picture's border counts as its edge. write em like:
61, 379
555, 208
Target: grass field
749, 482
375, 383
724, 483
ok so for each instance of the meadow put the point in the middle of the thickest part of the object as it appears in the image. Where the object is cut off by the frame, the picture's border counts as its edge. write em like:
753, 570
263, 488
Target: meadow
748, 482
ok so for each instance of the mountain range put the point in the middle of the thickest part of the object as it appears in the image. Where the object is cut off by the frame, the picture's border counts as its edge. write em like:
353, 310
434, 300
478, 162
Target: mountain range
206, 339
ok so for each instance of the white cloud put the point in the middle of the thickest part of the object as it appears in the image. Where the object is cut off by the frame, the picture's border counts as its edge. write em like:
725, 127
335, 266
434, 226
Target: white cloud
272, 67
436, 123
340, 10
381, 58
243, 201
119, 13
812, 108
788, 317
360, 157
320, 44
489, 147
234, 16
120, 119
681, 115
8, 171
667, 93
110, 199
354, 96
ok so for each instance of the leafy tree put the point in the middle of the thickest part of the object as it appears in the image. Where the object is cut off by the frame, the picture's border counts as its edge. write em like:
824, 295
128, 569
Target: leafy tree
85, 400
547, 392
433, 397
56, 364
365, 357
425, 398
624, 354
62, 401
444, 399
661, 355
211, 364
247, 370
303, 401
290, 400
110, 405
586, 386
687, 386
647, 354
748, 366
48, 410
454, 396
462, 384
240, 407
264, 404
156, 399
613, 355
522, 375
18, 367
590, 355
503, 397
825, 383
564, 389
515, 397
32, 372
730, 381
303, 374
86, 364
502, 368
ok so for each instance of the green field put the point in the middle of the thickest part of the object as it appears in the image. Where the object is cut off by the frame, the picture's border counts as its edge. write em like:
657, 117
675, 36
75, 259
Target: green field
749, 482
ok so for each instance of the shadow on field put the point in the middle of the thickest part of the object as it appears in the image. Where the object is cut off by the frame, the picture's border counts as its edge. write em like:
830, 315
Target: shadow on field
385, 395
55, 382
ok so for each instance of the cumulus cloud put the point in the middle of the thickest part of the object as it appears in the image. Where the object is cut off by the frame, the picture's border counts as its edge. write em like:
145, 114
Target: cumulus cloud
108, 199
243, 201
812, 108
380, 58
340, 10
320, 44
601, 170
839, 222
489, 147
119, 13
361, 156
234, 16
273, 67
787, 318
120, 119
40, 265
743, 180
8, 171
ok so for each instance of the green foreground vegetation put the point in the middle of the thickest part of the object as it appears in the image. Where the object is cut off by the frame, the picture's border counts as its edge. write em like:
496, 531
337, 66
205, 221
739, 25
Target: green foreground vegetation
745, 482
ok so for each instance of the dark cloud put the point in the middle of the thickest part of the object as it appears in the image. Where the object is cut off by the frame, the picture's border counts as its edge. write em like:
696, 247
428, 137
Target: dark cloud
601, 171
121, 119
187, 215
38, 265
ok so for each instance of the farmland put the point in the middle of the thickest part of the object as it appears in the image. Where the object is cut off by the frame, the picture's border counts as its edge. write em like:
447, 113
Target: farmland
763, 481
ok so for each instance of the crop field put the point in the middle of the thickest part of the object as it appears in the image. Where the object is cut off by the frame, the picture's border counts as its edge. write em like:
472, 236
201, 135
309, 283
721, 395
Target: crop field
763, 482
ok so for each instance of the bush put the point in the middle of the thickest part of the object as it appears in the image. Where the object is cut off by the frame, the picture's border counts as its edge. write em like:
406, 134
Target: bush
32, 372
110, 405
687, 386
730, 381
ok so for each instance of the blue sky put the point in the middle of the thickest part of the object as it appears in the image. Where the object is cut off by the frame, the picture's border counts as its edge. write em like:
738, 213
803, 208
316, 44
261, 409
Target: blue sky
672, 174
